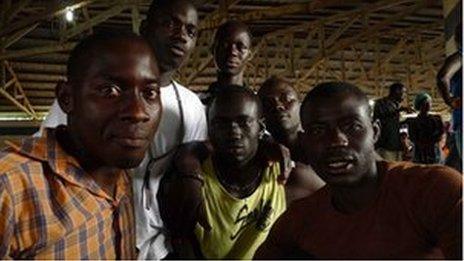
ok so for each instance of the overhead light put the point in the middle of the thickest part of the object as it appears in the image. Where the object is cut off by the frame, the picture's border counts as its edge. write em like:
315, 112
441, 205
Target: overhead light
69, 15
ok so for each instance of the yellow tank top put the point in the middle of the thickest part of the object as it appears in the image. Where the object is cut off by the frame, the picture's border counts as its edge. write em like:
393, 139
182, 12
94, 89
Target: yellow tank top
239, 226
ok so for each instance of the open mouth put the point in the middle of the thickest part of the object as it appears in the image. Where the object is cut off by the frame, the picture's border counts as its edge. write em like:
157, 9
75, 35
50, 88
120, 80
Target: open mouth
233, 63
177, 50
339, 165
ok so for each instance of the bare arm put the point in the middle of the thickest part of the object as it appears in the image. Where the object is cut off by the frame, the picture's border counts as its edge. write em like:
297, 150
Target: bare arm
303, 181
452, 64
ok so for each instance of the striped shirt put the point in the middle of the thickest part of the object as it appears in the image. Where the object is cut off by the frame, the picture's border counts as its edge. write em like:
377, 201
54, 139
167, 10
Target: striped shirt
51, 209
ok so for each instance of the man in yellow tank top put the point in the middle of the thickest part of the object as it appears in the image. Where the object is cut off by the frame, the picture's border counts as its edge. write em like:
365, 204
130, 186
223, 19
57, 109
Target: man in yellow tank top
242, 196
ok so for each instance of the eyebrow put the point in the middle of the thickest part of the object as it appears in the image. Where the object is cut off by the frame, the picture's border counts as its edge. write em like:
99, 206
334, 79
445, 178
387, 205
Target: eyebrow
118, 79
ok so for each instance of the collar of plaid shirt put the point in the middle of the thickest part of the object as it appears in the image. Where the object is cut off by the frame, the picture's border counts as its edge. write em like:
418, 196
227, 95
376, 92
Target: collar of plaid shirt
122, 233
47, 149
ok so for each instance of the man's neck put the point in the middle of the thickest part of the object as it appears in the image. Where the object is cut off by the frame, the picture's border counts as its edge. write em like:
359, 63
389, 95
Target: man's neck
237, 174
105, 177
166, 78
350, 199
288, 138
227, 79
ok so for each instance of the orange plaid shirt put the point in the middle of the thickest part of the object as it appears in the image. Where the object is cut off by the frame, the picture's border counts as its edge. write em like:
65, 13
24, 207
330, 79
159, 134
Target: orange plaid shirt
50, 208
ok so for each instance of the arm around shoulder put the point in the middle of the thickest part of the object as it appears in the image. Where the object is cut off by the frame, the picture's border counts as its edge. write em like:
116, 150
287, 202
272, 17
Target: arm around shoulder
303, 182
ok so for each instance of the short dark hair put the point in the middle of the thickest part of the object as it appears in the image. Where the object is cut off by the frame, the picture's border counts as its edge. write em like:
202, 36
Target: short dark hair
157, 5
330, 89
230, 90
396, 87
221, 32
273, 81
83, 49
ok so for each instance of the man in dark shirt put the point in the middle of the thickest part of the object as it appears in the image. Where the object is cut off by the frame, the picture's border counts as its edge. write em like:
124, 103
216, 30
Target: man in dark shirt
387, 111
370, 208
449, 82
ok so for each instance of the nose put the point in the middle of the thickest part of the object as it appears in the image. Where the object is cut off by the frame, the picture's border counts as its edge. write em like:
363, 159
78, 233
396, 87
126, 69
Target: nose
278, 104
337, 138
180, 33
234, 130
232, 50
134, 109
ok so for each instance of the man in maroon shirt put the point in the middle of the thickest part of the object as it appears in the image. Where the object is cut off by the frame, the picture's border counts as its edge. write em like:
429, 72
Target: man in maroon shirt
369, 209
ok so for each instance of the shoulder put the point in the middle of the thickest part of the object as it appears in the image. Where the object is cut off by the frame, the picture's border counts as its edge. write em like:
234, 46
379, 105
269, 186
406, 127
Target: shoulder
313, 203
189, 98
423, 179
16, 170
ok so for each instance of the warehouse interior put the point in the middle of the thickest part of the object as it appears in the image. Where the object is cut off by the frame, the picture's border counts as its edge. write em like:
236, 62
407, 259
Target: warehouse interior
370, 43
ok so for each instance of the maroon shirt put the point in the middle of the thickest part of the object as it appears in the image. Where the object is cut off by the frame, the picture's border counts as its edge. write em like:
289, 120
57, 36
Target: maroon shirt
417, 213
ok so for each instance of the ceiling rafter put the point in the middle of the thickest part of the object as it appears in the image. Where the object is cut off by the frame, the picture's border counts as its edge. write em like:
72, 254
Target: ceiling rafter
13, 91
57, 8
369, 32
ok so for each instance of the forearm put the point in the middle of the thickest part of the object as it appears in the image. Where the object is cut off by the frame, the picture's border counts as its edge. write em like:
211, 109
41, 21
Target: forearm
444, 86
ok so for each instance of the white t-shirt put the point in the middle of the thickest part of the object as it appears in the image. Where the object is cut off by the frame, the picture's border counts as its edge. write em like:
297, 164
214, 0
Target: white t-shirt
151, 234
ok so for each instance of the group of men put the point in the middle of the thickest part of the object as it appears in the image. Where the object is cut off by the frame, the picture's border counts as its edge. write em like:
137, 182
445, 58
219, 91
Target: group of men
131, 164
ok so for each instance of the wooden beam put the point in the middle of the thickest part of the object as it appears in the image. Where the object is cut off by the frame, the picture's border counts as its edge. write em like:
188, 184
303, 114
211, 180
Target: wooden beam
17, 36
368, 33
273, 12
136, 20
212, 21
37, 51
85, 12
17, 95
14, 10
216, 16
57, 8
103, 16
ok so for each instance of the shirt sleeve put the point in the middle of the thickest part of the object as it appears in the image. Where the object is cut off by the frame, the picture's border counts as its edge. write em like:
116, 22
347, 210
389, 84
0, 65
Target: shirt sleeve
443, 210
382, 110
195, 120
6, 221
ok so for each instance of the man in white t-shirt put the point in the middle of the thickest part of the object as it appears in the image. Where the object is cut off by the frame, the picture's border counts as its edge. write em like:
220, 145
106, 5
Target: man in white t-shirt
171, 29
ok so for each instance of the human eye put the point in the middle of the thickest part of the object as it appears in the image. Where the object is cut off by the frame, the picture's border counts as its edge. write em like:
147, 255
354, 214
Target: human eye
241, 47
110, 90
246, 122
192, 31
354, 126
151, 93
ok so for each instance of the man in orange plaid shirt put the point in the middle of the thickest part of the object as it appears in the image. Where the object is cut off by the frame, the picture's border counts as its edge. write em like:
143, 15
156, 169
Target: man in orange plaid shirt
67, 195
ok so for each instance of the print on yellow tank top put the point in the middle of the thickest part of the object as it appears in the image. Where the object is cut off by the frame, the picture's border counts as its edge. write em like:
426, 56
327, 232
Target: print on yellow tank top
239, 226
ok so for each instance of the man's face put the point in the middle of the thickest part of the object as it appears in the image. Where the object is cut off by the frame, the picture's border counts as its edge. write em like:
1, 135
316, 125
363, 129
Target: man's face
281, 107
233, 51
339, 139
425, 108
399, 94
116, 106
234, 128
173, 33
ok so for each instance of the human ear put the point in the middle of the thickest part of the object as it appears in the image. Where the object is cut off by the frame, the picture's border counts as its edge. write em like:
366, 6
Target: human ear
64, 95
377, 130
262, 127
